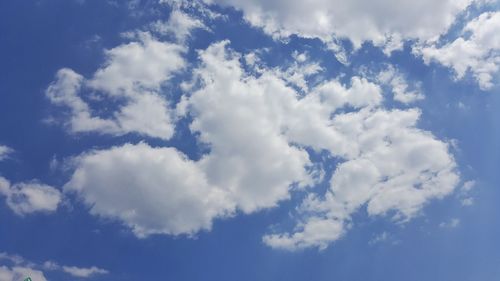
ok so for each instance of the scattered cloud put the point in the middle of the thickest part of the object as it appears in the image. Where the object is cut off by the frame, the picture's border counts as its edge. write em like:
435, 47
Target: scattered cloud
477, 50
452, 223
30, 197
133, 73
4, 152
464, 195
385, 23
468, 186
81, 272
400, 88
152, 190
469, 201
84, 272
21, 269
16, 273
256, 128
179, 24
379, 238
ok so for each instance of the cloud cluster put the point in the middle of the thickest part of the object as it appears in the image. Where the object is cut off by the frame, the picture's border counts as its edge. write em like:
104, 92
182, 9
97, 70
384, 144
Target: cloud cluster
131, 80
384, 22
21, 269
257, 127
477, 50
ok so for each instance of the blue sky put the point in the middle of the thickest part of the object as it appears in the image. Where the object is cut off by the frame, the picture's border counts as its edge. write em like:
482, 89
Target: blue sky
249, 140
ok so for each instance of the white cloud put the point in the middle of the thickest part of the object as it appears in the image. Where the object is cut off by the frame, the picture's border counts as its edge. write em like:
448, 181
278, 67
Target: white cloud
468, 201
397, 168
20, 273
468, 186
4, 152
475, 51
80, 272
22, 269
84, 272
138, 66
133, 75
30, 197
316, 232
384, 22
382, 237
298, 73
179, 24
465, 199
242, 122
152, 190
452, 223
256, 129
392, 77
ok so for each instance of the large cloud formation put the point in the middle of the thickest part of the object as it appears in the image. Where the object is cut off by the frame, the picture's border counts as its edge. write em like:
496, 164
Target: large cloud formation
257, 127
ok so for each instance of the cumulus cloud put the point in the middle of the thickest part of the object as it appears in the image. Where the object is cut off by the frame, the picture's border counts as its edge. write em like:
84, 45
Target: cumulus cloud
29, 197
152, 190
20, 273
397, 169
256, 128
21, 269
132, 75
477, 50
383, 22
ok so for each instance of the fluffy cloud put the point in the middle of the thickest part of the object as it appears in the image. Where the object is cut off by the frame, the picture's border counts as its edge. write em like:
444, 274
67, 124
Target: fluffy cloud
475, 51
179, 25
152, 190
22, 269
400, 88
83, 272
398, 169
26, 198
384, 22
80, 272
256, 128
20, 273
132, 75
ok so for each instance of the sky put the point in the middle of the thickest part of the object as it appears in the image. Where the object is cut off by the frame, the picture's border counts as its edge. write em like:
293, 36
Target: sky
249, 140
